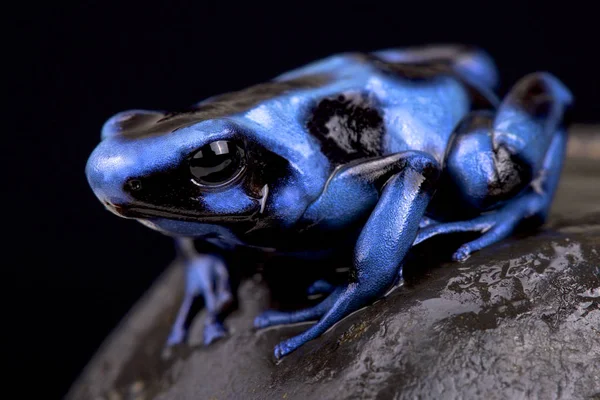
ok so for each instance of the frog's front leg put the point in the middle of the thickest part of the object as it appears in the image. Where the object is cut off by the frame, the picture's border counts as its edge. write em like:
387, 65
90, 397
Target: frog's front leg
408, 184
206, 276
352, 190
511, 174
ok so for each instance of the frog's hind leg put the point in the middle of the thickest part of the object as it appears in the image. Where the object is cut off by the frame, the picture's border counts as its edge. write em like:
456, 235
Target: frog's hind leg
512, 174
382, 245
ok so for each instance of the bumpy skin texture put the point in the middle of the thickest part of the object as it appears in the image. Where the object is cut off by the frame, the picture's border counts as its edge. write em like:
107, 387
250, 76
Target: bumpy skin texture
384, 149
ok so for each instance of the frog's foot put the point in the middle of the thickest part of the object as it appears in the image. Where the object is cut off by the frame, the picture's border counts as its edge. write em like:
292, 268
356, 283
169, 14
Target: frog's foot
479, 224
274, 317
176, 337
217, 299
206, 277
339, 304
213, 330
285, 348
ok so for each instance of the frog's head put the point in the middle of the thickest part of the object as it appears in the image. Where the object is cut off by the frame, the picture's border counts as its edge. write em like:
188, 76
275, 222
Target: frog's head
194, 178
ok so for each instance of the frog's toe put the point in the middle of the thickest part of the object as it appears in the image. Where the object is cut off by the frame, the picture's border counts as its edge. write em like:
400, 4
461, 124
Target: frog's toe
214, 331
462, 253
284, 348
273, 317
265, 319
502, 225
426, 221
177, 336
320, 287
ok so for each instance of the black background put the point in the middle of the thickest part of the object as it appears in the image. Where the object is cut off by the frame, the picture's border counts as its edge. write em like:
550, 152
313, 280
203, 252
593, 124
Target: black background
74, 269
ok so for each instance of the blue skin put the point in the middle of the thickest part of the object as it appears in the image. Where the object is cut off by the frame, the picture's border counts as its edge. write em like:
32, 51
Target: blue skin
403, 144
206, 276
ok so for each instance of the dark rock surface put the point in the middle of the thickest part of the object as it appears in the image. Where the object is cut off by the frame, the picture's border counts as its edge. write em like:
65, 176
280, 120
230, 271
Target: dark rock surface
518, 320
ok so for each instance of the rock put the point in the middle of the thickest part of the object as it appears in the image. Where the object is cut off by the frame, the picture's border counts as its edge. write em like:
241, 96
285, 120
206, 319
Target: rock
520, 319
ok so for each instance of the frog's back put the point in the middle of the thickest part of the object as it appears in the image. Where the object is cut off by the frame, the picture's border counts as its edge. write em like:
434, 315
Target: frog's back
392, 100
346, 106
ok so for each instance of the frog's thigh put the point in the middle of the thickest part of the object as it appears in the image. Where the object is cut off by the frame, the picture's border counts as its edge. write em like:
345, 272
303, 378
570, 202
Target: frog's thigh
384, 241
501, 223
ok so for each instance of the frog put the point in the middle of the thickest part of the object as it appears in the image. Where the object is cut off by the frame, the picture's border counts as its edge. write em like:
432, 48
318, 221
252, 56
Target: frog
369, 153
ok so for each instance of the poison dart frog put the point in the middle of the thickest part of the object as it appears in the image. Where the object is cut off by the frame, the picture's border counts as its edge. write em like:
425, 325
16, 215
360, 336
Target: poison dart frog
382, 150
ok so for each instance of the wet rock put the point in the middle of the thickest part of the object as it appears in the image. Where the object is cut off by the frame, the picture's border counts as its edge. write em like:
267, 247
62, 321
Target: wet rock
520, 319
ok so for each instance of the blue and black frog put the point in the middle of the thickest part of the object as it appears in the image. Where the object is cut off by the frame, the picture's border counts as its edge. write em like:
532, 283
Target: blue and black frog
383, 150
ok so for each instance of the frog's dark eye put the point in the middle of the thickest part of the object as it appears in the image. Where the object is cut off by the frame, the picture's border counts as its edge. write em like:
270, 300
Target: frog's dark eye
217, 163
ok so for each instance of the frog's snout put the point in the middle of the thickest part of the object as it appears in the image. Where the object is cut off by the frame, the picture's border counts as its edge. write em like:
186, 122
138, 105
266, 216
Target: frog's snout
107, 171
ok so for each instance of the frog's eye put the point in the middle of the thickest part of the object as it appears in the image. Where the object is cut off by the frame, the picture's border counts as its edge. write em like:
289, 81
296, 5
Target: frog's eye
217, 163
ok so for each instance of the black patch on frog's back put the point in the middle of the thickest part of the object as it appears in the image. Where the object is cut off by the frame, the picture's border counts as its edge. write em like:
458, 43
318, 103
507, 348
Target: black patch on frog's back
348, 126
139, 126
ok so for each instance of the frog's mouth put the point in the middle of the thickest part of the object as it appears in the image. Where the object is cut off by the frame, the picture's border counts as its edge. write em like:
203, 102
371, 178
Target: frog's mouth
145, 212
225, 229
138, 210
